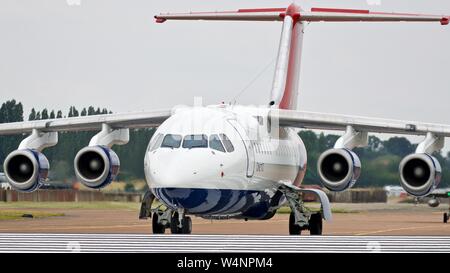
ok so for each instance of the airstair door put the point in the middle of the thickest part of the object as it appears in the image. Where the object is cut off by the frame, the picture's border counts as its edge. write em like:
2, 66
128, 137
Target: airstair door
249, 149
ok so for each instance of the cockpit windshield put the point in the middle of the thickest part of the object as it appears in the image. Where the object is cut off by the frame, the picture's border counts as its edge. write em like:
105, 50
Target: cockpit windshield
215, 143
195, 141
218, 142
157, 143
227, 142
171, 141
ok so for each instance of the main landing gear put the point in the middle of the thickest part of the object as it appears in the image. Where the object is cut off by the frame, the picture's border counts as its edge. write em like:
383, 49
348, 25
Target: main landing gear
314, 224
447, 214
301, 218
163, 219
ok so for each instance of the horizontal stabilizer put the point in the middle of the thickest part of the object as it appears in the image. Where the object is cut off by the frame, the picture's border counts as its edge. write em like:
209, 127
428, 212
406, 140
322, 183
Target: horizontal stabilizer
262, 14
352, 15
314, 15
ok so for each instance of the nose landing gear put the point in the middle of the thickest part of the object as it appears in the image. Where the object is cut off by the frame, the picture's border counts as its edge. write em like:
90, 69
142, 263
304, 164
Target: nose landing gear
162, 219
180, 223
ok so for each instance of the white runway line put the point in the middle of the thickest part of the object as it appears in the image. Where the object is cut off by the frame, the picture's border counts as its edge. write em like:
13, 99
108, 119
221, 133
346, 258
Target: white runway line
39, 242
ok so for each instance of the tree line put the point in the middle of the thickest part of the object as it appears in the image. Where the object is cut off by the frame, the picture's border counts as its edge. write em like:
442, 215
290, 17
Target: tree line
380, 159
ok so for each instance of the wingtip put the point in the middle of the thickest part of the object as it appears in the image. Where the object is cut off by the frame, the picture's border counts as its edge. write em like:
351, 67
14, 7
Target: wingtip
445, 20
159, 20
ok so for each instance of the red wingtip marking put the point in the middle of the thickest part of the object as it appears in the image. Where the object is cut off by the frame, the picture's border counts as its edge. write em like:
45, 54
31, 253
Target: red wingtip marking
445, 21
159, 20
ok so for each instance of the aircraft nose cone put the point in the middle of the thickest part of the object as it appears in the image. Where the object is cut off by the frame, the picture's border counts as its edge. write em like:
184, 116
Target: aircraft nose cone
167, 176
182, 169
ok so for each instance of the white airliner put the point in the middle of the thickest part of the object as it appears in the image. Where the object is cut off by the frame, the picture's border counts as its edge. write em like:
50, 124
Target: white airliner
228, 161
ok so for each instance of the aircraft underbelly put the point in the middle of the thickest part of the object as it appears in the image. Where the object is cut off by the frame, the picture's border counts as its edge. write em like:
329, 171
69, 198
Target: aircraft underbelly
240, 198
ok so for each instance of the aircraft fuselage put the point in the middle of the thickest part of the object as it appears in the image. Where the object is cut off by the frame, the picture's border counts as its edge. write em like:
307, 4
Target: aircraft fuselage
187, 168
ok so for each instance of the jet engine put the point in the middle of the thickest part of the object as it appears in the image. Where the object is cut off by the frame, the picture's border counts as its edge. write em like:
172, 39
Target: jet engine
419, 174
96, 166
338, 169
26, 169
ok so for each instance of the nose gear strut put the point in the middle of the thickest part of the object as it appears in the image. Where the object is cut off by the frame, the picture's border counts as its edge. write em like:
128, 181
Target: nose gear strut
163, 218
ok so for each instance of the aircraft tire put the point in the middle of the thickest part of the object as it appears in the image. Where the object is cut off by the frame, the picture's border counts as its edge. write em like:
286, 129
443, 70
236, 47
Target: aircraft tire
315, 224
174, 229
445, 218
293, 228
157, 228
187, 225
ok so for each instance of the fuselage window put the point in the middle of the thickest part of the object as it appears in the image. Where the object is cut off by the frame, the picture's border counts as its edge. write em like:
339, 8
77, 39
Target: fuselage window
226, 141
215, 143
195, 141
155, 145
171, 141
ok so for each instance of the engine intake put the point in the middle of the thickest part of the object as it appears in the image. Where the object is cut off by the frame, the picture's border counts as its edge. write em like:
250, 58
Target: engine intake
339, 169
96, 166
419, 174
26, 169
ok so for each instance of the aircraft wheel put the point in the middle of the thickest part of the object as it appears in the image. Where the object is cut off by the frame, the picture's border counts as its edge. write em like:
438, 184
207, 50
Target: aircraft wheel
174, 224
446, 216
293, 228
315, 224
157, 228
187, 225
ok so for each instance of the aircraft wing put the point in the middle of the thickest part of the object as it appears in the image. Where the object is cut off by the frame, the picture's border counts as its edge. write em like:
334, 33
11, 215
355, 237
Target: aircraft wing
326, 121
89, 123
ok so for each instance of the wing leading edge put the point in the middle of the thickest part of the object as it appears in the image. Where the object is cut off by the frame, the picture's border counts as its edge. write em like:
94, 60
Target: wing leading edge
286, 118
89, 123
325, 121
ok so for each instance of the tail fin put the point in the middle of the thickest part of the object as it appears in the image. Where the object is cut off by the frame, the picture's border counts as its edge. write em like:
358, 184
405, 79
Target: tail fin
287, 72
286, 79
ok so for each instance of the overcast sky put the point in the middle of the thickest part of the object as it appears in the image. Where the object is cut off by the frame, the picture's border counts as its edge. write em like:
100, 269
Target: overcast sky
110, 53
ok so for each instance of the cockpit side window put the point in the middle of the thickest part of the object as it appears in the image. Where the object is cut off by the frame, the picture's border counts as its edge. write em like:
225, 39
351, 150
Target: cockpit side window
227, 142
195, 141
171, 141
215, 143
155, 145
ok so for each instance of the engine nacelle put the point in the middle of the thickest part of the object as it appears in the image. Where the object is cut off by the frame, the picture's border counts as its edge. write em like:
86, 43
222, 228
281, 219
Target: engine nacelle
96, 166
26, 169
419, 174
339, 169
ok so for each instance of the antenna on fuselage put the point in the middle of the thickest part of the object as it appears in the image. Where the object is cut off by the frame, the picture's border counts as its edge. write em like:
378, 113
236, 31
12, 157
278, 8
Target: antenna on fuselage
253, 80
